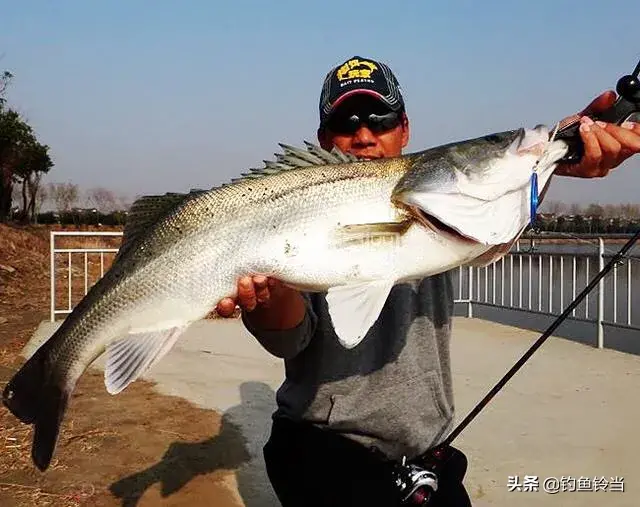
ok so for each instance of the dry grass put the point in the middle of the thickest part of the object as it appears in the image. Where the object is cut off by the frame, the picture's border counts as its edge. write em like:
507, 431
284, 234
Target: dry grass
113, 450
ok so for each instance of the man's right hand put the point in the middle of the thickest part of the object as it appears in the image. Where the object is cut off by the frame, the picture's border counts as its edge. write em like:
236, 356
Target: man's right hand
268, 303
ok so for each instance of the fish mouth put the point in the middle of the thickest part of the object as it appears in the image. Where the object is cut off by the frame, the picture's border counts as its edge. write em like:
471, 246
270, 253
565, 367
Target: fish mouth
438, 226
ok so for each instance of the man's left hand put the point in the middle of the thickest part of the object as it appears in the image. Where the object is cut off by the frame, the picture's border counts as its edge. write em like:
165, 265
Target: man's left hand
606, 145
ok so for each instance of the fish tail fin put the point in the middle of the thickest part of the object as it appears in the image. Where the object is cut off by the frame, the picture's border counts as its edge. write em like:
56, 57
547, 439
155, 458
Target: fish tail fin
23, 392
47, 425
33, 398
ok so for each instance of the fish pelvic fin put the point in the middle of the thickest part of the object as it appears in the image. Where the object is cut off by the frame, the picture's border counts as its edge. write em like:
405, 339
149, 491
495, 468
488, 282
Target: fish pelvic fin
36, 398
355, 307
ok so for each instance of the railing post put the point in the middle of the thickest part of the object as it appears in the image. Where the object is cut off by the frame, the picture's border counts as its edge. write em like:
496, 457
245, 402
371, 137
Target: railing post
52, 277
469, 304
600, 294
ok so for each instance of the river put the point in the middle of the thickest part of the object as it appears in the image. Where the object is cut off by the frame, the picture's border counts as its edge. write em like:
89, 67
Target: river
532, 269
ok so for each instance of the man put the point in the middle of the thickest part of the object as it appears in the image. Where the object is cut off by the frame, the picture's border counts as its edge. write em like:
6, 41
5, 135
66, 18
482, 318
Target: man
341, 413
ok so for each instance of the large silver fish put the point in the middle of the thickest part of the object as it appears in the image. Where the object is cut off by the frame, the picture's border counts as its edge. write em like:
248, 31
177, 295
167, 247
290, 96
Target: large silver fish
317, 220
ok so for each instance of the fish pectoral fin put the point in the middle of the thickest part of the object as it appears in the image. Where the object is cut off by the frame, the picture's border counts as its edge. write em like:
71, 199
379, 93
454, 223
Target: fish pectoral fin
355, 307
129, 357
373, 230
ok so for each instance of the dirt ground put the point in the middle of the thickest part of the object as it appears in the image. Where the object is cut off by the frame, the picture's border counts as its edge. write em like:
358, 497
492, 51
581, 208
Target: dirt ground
138, 448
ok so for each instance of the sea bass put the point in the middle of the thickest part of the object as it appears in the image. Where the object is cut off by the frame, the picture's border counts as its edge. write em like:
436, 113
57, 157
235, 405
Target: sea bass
319, 221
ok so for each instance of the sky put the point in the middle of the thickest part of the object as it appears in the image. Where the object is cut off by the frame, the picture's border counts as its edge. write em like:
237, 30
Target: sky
146, 97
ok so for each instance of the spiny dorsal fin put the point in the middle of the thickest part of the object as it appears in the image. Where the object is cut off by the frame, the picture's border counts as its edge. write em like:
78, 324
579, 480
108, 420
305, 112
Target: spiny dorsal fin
147, 210
293, 158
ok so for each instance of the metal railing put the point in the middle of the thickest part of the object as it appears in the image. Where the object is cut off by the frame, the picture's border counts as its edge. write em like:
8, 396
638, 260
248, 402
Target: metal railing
546, 282
527, 279
85, 252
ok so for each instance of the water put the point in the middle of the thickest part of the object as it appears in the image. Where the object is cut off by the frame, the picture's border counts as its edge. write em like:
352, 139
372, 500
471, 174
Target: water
537, 285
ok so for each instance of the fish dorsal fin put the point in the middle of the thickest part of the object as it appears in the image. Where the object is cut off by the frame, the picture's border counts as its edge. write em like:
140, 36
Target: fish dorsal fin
294, 158
148, 209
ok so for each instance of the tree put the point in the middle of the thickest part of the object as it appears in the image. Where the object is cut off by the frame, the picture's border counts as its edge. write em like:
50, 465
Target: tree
5, 79
630, 211
103, 199
594, 210
34, 161
554, 207
23, 159
123, 202
41, 197
65, 195
15, 136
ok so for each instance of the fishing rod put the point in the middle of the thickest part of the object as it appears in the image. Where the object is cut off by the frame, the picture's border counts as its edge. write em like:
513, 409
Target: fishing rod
627, 104
556, 323
417, 480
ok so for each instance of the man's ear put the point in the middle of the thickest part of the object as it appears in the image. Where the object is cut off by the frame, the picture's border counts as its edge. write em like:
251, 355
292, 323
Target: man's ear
405, 130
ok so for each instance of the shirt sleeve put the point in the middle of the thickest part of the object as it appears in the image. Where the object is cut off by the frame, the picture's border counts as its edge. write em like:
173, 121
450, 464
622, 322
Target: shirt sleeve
290, 342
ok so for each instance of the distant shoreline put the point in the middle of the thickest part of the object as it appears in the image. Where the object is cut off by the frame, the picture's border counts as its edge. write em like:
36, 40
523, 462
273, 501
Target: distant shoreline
572, 241
556, 239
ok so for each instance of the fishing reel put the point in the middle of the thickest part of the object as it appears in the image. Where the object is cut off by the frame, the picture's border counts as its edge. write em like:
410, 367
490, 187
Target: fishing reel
626, 106
417, 481
416, 485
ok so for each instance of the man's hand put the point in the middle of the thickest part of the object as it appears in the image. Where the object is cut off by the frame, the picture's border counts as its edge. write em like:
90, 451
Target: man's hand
252, 291
606, 145
267, 302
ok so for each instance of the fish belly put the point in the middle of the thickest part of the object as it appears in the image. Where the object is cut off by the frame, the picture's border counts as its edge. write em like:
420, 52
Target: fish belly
310, 249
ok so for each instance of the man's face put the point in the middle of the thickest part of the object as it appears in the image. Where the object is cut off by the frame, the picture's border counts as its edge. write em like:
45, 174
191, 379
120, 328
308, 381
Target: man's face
363, 140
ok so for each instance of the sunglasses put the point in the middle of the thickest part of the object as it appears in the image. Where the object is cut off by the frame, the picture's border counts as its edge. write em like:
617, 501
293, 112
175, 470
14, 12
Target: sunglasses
376, 123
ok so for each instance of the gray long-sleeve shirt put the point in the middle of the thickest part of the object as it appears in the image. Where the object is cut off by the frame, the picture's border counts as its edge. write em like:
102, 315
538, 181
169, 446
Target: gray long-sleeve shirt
394, 390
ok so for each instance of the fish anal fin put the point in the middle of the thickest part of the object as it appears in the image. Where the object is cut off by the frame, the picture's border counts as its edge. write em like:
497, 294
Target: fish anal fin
130, 357
355, 307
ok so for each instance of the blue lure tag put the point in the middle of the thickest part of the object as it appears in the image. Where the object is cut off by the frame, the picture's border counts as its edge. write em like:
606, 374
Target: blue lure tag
534, 197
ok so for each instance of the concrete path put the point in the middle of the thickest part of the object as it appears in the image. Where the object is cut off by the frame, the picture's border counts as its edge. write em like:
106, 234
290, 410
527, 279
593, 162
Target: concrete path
569, 412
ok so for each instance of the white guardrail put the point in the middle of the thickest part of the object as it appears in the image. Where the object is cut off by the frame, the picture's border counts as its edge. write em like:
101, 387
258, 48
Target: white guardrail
527, 279
545, 283
85, 252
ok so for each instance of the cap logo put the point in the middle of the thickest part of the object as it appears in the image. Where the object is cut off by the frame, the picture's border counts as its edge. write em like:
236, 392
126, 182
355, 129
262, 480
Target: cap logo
356, 69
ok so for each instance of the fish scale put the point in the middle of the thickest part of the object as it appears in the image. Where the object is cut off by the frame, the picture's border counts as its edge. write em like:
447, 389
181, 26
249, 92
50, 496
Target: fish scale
319, 221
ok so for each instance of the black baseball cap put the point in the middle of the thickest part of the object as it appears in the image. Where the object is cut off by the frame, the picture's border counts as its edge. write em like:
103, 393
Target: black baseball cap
359, 75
